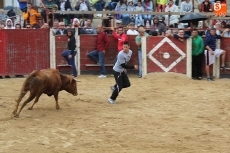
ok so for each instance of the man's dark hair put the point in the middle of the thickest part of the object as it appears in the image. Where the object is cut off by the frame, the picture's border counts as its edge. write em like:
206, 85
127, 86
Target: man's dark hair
29, 3
227, 26
194, 30
212, 29
18, 24
126, 43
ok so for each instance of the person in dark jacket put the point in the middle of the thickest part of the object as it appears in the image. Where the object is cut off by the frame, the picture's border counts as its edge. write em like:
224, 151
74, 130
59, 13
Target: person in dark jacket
70, 54
64, 5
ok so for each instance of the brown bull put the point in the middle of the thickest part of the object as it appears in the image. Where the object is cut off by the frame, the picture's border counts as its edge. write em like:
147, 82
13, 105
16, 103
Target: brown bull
47, 81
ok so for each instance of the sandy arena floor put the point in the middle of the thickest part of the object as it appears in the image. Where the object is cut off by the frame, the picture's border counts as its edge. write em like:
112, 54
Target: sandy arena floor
160, 113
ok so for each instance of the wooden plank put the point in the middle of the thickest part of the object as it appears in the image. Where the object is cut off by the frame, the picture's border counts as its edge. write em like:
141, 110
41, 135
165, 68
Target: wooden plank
63, 65
98, 65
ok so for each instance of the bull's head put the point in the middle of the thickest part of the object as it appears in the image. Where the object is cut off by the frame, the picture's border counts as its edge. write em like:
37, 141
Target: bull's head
71, 86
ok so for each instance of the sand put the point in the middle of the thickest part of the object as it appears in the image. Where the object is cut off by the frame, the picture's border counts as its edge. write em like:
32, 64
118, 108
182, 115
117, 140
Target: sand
160, 113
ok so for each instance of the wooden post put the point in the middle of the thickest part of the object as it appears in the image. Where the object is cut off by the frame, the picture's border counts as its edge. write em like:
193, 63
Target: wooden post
189, 58
216, 65
144, 56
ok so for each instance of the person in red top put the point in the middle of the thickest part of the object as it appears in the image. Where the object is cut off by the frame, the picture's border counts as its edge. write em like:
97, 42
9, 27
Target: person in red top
206, 6
121, 37
98, 55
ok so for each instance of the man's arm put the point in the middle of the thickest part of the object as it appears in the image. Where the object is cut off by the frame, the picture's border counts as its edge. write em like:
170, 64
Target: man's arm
106, 39
201, 46
23, 0
225, 30
138, 41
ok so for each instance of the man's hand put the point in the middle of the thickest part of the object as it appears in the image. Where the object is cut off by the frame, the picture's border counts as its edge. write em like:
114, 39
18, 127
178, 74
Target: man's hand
70, 56
112, 28
103, 52
136, 67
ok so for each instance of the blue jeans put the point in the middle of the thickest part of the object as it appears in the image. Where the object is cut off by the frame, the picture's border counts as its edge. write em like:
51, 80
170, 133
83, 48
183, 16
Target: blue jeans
140, 62
99, 6
98, 57
125, 19
112, 5
139, 17
147, 17
70, 61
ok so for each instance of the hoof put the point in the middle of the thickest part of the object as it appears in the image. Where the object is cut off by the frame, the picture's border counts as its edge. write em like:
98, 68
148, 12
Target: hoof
16, 116
14, 113
30, 108
58, 108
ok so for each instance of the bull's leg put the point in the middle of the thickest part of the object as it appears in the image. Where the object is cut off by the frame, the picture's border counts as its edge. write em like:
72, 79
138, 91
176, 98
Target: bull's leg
22, 94
56, 99
35, 101
31, 97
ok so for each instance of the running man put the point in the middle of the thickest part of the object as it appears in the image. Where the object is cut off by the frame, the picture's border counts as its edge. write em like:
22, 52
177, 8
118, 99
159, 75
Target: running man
121, 78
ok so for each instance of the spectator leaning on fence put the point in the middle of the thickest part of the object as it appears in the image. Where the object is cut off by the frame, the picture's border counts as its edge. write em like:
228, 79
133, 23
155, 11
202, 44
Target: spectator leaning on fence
226, 32
212, 52
31, 15
201, 2
141, 34
197, 55
88, 28
61, 30
131, 30
98, 55
157, 26
174, 19
186, 6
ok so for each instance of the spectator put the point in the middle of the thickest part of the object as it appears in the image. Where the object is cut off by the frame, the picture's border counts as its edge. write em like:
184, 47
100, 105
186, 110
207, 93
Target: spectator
55, 27
180, 35
76, 25
161, 4
131, 8
48, 7
212, 52
112, 5
3, 16
138, 19
157, 26
141, 34
11, 14
122, 6
88, 28
197, 55
206, 6
99, 5
148, 7
61, 30
201, 2
174, 19
28, 26
131, 30
31, 15
70, 54
118, 23
121, 37
218, 28
18, 26
9, 24
83, 5
98, 55
186, 6
226, 32
1, 26
45, 26
64, 5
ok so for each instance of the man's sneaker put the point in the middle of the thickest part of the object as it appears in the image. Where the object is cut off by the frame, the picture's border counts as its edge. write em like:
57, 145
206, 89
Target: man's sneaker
111, 101
210, 79
223, 67
102, 76
112, 88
